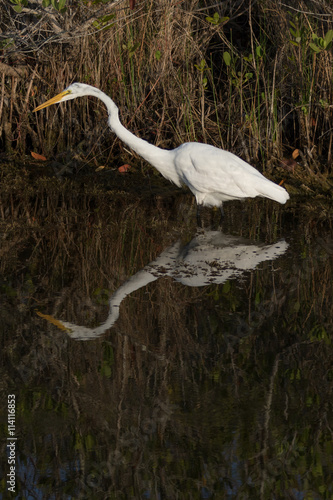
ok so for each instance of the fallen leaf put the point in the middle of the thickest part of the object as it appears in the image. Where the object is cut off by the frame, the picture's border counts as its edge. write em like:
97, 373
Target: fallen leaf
295, 154
37, 156
100, 168
281, 182
124, 168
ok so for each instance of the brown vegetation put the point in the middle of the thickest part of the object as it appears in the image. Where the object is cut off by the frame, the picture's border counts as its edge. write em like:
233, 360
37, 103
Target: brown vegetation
251, 77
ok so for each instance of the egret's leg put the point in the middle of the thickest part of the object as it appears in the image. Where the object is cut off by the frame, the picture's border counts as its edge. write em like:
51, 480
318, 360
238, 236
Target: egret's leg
221, 216
199, 221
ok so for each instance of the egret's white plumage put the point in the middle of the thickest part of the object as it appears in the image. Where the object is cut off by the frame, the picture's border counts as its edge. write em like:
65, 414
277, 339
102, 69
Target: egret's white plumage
213, 175
211, 257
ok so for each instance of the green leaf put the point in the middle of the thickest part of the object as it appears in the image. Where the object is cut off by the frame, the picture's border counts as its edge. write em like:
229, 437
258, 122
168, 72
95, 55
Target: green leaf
201, 66
158, 55
104, 24
213, 20
321, 43
106, 370
210, 20
309, 401
323, 103
106, 19
259, 51
227, 58
89, 442
328, 37
216, 19
133, 49
314, 47
257, 299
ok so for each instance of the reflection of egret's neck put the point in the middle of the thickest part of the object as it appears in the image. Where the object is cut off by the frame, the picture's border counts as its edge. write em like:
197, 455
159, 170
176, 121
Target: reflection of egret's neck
210, 257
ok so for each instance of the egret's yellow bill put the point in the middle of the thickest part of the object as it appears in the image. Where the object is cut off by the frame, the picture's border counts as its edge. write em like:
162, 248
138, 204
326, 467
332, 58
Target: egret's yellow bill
54, 100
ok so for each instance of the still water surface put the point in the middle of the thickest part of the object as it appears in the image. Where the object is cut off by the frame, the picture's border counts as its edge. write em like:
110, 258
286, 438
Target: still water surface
150, 359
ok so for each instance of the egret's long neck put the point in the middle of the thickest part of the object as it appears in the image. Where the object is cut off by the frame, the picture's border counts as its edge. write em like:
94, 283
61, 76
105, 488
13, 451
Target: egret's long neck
159, 158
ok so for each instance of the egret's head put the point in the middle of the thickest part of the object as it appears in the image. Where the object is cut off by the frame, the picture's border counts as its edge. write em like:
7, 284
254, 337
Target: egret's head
73, 91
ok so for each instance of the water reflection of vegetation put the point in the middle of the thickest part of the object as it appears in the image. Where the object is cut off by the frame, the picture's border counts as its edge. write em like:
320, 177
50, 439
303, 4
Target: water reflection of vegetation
211, 257
223, 390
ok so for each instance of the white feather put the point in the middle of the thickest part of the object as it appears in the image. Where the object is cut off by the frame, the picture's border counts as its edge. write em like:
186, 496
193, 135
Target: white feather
213, 175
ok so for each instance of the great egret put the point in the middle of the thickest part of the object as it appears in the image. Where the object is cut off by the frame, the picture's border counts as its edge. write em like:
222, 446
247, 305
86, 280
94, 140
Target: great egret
213, 175
211, 257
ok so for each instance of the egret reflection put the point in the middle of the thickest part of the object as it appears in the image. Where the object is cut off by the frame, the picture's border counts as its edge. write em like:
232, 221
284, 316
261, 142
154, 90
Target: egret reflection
211, 257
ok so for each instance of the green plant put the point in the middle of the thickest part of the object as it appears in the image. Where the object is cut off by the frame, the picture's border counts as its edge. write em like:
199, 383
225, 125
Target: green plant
59, 5
319, 44
216, 20
19, 4
202, 68
104, 22
256, 89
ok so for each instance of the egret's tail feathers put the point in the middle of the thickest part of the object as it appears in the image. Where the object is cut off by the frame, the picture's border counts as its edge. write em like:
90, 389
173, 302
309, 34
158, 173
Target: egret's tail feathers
272, 191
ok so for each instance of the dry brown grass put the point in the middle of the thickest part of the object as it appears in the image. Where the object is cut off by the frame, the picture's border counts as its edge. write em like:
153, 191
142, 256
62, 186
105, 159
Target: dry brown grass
163, 65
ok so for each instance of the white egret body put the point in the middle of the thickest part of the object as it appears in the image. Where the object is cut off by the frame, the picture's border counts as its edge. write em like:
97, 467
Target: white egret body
212, 174
211, 257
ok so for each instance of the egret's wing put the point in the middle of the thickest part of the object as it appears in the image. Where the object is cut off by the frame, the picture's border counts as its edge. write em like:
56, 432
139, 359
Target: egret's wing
207, 170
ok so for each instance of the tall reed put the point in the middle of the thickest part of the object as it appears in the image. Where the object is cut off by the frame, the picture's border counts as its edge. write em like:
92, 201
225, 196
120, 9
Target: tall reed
257, 82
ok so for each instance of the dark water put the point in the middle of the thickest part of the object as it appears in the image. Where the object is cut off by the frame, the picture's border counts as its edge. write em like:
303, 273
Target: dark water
145, 359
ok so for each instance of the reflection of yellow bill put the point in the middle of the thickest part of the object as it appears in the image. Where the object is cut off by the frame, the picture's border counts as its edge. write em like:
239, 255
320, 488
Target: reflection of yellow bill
54, 100
51, 319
